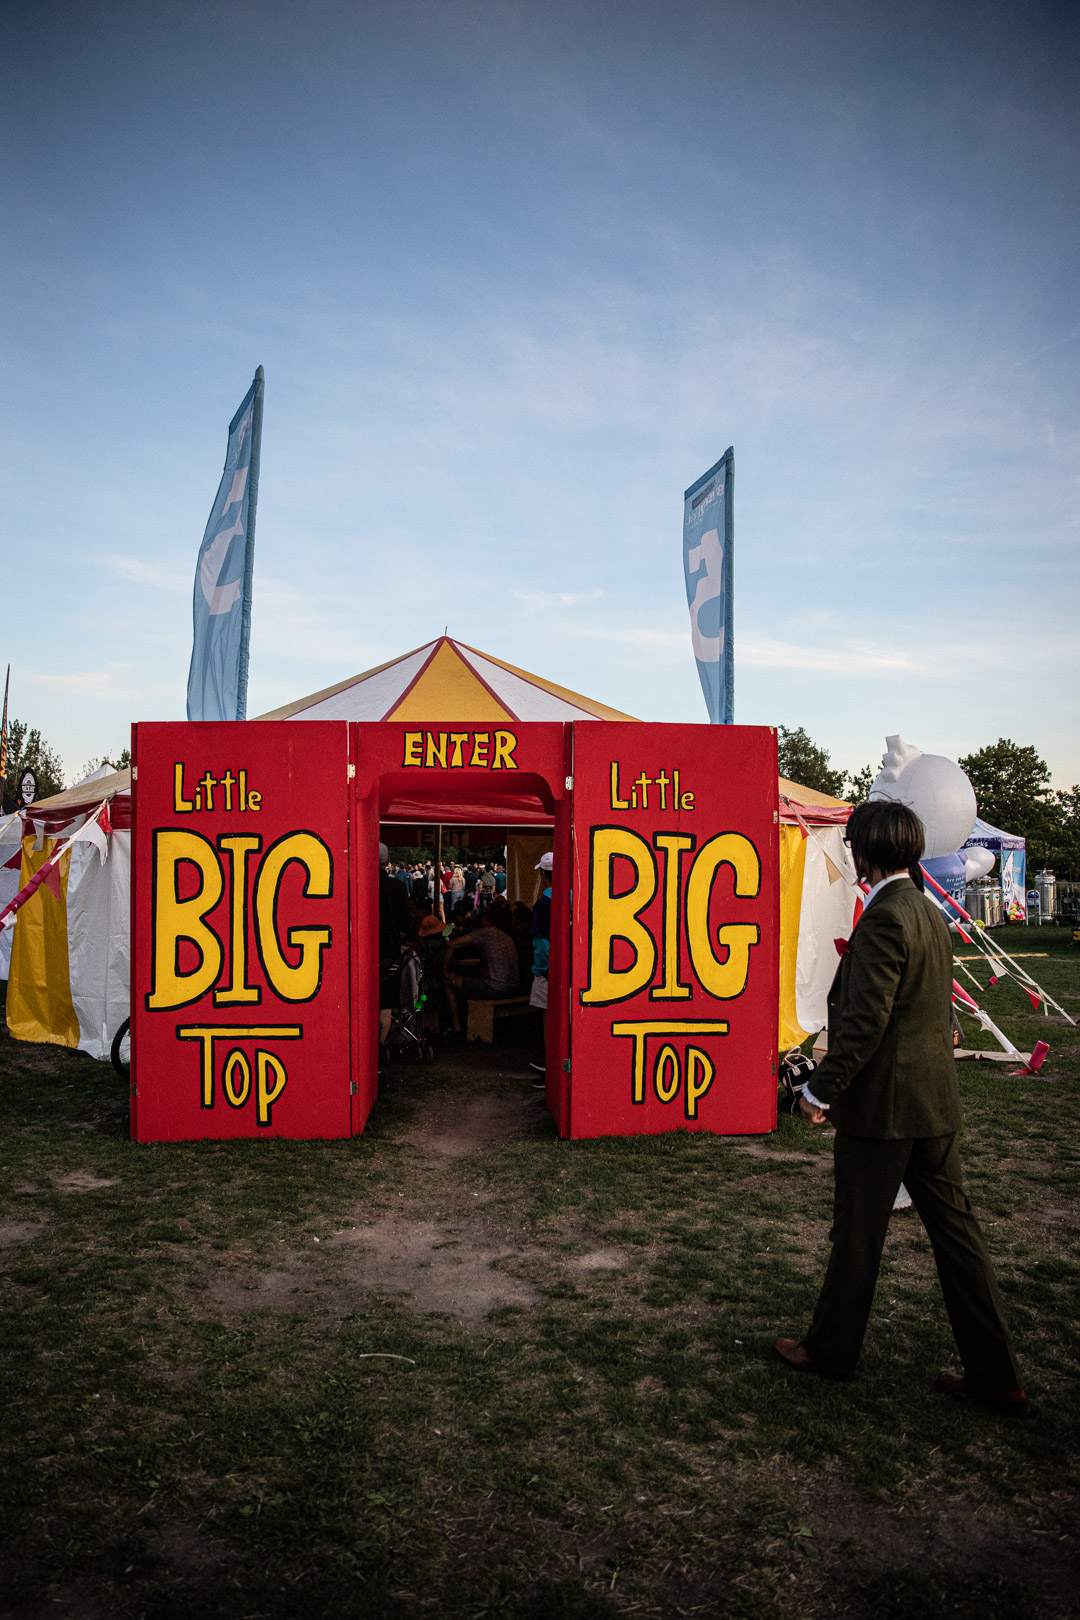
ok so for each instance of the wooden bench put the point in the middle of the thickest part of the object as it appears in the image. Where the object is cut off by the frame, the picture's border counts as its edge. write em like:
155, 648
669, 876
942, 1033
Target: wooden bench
482, 1015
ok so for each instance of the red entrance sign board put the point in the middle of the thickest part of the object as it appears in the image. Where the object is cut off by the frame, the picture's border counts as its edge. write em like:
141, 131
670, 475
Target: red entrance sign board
255, 899
240, 931
675, 929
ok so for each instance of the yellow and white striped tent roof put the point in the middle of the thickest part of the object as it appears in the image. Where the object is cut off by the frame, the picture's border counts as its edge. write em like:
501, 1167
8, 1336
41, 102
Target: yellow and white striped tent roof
445, 680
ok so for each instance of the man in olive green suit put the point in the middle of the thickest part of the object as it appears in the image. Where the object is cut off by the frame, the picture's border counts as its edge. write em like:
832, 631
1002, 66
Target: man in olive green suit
889, 1085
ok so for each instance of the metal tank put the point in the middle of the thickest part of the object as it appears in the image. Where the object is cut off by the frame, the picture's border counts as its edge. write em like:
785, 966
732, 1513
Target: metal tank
1046, 883
983, 903
975, 902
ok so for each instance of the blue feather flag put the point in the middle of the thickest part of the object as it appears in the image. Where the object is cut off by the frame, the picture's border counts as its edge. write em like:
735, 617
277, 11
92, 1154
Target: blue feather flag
217, 680
708, 543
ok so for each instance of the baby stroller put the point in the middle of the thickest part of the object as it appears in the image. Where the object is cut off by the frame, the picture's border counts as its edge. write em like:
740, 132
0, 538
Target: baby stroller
407, 1040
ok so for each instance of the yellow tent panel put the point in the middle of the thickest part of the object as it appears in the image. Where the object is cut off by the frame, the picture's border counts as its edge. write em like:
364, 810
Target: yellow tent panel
39, 1006
792, 871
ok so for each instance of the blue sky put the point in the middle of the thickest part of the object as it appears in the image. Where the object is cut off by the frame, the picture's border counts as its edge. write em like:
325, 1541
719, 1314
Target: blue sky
518, 273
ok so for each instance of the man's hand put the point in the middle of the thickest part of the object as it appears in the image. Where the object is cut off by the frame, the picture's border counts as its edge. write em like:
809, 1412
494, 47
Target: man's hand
811, 1114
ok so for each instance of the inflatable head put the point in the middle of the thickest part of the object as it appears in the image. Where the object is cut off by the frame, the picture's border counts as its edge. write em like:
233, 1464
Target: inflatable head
935, 788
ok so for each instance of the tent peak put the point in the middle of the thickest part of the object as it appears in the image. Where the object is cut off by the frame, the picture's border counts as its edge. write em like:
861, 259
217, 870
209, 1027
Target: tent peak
446, 679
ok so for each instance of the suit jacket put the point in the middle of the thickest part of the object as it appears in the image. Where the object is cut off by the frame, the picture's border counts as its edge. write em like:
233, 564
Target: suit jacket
890, 1070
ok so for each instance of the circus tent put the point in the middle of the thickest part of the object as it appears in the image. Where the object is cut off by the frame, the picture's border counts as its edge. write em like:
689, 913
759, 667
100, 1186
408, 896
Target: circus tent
445, 680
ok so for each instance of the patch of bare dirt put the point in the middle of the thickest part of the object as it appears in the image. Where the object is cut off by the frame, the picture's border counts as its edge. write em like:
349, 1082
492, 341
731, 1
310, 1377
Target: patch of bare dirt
437, 1268
453, 1126
432, 1267
81, 1181
459, 1268
1052, 1215
1010, 1164
37, 1057
608, 1258
14, 1234
1057, 1226
294, 1287
760, 1150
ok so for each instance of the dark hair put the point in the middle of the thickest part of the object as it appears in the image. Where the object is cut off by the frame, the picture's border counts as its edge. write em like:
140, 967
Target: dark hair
500, 916
885, 835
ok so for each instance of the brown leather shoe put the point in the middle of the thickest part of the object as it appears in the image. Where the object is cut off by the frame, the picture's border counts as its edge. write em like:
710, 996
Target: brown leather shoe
795, 1353
1014, 1402
797, 1356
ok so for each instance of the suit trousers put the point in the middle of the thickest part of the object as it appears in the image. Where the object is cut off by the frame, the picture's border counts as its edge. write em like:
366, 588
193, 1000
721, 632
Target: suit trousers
868, 1172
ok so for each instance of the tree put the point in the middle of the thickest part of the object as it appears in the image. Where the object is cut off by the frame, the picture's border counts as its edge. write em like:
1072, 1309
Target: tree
1012, 788
802, 760
27, 751
115, 762
859, 785
1061, 852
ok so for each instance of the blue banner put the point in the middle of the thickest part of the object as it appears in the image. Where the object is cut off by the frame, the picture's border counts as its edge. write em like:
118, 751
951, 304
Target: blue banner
710, 586
1014, 884
217, 681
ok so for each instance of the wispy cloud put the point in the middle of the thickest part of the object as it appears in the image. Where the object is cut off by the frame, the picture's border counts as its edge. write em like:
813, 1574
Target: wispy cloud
762, 652
636, 636
858, 659
114, 680
144, 573
540, 601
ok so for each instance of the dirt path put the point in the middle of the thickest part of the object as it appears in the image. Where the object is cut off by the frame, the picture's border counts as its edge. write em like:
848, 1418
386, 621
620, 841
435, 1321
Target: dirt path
443, 1246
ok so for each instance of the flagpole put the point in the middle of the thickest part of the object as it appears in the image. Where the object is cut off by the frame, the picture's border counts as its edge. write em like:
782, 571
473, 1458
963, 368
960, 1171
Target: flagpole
249, 552
3, 736
729, 588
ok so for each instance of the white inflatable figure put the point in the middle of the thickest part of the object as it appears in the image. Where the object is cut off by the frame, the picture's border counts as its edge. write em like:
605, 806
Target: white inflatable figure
935, 788
978, 863
944, 800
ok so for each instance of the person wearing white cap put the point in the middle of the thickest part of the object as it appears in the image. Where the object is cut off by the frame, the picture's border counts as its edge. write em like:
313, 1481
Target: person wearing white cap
540, 929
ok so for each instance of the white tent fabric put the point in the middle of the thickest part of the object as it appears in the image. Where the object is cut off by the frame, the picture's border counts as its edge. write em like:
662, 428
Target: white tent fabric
368, 698
98, 923
524, 699
828, 901
98, 909
10, 842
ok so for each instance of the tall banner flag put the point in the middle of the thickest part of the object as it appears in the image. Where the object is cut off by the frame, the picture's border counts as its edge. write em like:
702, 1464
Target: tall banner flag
708, 546
217, 682
4, 731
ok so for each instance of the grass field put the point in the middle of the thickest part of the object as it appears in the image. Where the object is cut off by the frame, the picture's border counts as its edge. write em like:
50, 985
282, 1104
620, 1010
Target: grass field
458, 1367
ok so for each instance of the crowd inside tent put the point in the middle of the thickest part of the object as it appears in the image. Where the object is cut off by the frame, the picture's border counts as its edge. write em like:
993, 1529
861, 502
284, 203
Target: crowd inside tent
476, 885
